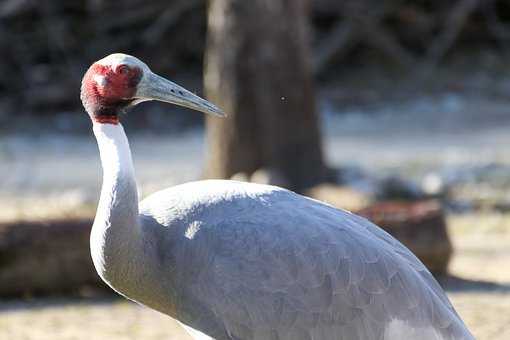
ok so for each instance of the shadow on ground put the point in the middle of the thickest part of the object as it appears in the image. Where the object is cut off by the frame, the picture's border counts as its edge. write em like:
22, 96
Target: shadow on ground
452, 283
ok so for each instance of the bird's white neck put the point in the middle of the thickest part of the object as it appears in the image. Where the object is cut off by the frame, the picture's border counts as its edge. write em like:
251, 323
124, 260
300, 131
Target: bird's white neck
115, 230
114, 151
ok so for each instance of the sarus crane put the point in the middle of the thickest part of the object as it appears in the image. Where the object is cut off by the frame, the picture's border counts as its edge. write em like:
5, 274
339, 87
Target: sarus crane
241, 261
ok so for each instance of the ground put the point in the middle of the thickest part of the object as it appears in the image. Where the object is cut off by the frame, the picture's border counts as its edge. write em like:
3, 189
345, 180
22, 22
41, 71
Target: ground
482, 295
461, 139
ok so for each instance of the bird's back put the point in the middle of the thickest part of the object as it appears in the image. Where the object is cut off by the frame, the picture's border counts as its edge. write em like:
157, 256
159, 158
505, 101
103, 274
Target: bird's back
247, 261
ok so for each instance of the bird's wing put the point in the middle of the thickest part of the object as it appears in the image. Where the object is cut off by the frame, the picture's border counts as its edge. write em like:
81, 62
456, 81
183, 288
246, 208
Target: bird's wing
284, 267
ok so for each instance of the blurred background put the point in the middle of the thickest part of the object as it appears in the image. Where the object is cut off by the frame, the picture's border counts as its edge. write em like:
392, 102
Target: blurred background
395, 109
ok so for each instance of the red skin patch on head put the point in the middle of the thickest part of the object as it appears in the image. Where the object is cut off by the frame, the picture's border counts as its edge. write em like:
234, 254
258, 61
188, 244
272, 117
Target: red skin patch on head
105, 91
118, 83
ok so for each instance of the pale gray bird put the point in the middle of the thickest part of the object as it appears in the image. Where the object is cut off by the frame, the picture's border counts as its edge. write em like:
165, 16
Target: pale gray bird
239, 261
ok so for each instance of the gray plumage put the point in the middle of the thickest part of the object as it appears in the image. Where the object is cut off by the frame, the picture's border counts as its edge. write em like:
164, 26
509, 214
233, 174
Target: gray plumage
262, 262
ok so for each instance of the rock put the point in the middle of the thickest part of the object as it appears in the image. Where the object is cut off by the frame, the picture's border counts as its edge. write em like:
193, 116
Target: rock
420, 226
342, 197
396, 188
46, 258
433, 185
356, 178
241, 177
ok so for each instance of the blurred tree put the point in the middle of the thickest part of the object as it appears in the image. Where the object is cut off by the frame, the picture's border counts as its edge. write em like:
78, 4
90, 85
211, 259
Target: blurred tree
258, 70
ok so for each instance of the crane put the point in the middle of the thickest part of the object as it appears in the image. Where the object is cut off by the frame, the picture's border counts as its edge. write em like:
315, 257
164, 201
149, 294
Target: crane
241, 261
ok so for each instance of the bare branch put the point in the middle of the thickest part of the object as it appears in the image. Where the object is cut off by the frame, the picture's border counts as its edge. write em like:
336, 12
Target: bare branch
453, 26
167, 19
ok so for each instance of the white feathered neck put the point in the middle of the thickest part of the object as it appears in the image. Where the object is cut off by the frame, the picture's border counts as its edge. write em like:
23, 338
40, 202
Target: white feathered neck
115, 231
114, 150
122, 249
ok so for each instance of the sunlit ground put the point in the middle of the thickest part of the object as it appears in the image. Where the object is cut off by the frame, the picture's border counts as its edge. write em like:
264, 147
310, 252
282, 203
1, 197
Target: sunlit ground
59, 319
459, 138
482, 255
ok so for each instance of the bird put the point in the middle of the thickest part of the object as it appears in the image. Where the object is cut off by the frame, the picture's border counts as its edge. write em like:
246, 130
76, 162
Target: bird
233, 260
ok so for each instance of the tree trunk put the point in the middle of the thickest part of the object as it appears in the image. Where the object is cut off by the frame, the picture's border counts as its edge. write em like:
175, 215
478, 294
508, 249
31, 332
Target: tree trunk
258, 70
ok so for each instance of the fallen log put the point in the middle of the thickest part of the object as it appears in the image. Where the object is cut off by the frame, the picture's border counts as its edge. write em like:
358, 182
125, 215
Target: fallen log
53, 257
46, 258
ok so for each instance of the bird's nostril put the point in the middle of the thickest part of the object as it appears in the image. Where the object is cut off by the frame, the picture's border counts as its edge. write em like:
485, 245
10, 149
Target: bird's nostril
181, 93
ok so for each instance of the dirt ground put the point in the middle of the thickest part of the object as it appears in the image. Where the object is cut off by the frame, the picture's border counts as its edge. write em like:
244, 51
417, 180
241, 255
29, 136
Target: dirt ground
480, 289
483, 300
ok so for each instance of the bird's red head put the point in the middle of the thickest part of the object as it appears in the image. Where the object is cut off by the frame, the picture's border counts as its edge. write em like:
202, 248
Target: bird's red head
109, 86
119, 81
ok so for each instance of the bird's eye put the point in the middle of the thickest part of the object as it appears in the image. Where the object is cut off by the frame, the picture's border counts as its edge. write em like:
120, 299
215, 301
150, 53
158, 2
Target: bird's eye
122, 69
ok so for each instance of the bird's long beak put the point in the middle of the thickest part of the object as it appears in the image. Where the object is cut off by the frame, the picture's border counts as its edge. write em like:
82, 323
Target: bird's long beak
154, 87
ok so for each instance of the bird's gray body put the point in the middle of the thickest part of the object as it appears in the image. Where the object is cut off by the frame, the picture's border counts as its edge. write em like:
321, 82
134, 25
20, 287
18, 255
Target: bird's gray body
247, 261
